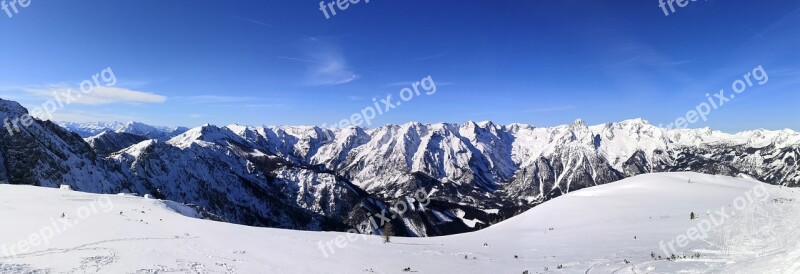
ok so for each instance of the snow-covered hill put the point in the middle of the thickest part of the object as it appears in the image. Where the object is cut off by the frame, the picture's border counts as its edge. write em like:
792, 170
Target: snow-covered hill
614, 228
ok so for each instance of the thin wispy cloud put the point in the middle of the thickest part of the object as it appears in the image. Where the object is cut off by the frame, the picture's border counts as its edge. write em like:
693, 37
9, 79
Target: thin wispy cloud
265, 24
643, 59
87, 116
398, 84
300, 60
9, 93
253, 21
755, 33
265, 105
326, 67
218, 99
134, 83
675, 63
100, 95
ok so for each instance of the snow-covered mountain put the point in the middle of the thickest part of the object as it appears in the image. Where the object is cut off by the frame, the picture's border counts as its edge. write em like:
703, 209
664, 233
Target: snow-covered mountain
478, 173
109, 142
234, 178
44, 154
87, 130
311, 178
621, 227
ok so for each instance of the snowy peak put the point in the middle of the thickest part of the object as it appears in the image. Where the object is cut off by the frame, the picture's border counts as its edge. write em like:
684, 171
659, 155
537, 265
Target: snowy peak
334, 153
151, 132
205, 136
11, 109
578, 124
86, 130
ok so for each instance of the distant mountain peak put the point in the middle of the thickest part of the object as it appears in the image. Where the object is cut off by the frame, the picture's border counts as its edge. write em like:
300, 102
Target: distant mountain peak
579, 124
639, 121
87, 130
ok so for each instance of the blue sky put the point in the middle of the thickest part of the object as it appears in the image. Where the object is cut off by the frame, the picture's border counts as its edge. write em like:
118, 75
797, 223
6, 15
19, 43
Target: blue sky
282, 62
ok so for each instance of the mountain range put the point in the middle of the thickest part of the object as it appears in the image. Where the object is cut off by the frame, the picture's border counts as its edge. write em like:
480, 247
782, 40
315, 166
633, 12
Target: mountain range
86, 130
311, 178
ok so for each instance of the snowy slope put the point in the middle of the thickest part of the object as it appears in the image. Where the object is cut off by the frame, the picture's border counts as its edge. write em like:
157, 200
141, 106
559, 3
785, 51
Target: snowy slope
586, 231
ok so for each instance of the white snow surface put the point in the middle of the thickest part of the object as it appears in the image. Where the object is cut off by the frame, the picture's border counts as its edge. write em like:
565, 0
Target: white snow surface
586, 231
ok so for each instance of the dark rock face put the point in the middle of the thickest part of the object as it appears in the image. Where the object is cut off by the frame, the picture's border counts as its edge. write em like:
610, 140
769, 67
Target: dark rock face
44, 154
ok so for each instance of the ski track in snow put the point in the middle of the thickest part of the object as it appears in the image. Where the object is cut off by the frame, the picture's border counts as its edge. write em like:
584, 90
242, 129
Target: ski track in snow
95, 262
103, 256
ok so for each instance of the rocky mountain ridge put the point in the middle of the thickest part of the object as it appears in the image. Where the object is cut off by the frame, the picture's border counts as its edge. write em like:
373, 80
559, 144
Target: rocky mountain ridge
310, 178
